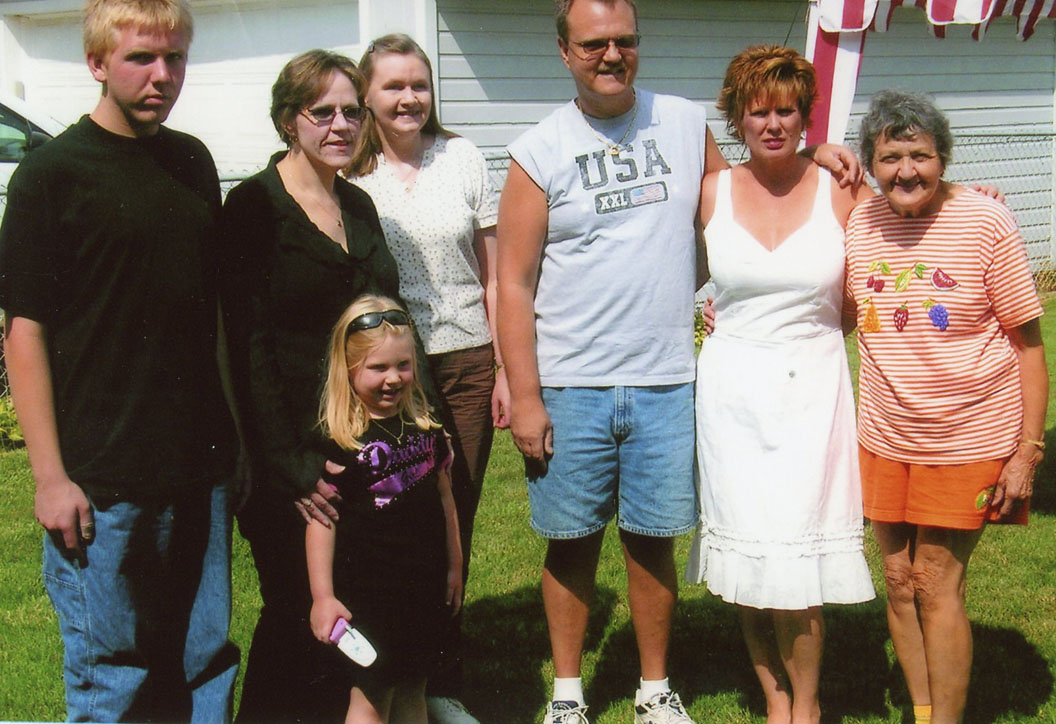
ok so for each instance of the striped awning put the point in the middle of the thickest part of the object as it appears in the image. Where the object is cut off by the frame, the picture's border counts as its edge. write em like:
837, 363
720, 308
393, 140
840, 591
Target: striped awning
855, 15
836, 40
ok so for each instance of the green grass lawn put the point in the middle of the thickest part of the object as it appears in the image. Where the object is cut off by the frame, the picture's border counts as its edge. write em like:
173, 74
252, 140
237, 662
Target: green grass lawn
1011, 602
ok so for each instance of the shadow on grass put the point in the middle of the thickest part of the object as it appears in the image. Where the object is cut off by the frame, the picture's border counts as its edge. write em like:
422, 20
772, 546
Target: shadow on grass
506, 646
1009, 676
709, 658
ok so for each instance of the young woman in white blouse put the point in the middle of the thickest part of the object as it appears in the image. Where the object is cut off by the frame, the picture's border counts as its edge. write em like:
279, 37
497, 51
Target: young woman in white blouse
438, 209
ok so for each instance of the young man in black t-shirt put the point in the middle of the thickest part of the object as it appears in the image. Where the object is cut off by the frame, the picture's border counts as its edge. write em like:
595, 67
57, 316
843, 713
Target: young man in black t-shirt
108, 286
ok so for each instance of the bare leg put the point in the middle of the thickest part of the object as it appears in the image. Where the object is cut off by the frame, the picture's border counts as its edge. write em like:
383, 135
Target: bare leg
939, 569
372, 708
757, 625
652, 589
897, 542
568, 588
408, 703
800, 638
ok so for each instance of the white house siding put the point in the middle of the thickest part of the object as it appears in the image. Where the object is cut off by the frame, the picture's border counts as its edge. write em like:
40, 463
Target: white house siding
500, 72
998, 95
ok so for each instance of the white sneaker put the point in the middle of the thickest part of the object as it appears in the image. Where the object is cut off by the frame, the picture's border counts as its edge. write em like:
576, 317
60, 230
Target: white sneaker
566, 712
664, 708
448, 710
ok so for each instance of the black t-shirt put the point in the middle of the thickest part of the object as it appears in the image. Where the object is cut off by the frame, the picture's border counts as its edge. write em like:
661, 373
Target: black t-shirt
390, 554
110, 243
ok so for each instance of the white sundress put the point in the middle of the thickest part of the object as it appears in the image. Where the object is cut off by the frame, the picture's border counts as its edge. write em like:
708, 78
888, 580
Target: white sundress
777, 457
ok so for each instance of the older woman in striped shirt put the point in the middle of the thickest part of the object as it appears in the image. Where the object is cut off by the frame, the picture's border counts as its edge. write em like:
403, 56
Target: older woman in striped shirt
953, 385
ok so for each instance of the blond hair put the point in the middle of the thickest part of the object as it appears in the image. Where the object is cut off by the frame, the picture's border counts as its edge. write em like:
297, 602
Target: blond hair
104, 19
368, 145
342, 415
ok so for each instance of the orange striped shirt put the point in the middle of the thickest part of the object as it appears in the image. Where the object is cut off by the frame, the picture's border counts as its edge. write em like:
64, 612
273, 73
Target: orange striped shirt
939, 380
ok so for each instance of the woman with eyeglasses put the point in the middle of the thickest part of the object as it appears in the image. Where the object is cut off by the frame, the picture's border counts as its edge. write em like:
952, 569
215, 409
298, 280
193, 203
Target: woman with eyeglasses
301, 245
438, 208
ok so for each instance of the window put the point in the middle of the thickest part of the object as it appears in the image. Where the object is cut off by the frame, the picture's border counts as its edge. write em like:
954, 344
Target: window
14, 136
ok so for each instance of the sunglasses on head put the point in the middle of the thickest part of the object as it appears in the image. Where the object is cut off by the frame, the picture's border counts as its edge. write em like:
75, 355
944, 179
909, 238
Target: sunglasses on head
370, 320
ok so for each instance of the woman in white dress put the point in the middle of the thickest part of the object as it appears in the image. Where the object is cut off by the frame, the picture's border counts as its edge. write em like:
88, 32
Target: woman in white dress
781, 510
438, 209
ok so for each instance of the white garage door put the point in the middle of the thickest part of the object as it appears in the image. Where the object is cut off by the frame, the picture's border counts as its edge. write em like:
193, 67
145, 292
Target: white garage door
237, 52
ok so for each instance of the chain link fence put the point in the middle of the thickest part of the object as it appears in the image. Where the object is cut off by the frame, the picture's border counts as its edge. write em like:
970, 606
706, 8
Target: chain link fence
1021, 165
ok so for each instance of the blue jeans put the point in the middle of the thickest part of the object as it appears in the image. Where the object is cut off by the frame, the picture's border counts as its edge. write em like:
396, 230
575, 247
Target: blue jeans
624, 451
144, 617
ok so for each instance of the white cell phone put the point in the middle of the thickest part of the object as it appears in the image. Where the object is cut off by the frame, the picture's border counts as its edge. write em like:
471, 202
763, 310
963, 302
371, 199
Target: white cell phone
352, 643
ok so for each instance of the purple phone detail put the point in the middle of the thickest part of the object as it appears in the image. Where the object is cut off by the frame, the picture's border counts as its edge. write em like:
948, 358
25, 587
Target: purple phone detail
352, 643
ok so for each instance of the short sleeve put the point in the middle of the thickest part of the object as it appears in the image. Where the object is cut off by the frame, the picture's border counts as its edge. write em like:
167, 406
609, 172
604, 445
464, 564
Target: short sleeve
444, 453
1007, 277
848, 262
32, 257
481, 193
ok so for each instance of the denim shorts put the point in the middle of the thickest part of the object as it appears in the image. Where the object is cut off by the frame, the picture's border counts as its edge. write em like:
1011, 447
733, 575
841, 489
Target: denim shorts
625, 451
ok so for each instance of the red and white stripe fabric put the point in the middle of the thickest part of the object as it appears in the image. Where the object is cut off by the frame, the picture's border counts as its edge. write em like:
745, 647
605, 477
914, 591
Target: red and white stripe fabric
837, 57
836, 40
939, 382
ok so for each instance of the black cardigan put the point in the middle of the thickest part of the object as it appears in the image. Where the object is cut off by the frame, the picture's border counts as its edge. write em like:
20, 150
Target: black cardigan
283, 286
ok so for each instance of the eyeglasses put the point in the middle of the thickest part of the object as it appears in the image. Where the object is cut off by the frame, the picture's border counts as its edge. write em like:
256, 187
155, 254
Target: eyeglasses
325, 115
597, 47
370, 320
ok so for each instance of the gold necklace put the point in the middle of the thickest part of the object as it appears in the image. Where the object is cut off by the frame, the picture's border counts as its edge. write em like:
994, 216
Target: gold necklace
390, 433
407, 173
614, 149
299, 192
327, 212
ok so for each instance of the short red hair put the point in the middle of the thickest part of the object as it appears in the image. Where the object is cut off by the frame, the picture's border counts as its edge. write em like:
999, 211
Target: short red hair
766, 71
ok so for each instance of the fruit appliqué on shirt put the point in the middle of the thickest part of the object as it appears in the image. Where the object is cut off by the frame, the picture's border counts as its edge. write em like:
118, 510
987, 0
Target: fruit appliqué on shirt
901, 317
876, 281
942, 281
906, 276
871, 323
937, 313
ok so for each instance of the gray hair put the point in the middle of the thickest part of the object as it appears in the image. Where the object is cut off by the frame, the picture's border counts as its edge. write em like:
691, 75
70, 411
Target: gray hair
902, 115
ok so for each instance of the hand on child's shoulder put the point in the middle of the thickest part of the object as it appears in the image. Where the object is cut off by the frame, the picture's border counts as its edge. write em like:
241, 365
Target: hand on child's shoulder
319, 503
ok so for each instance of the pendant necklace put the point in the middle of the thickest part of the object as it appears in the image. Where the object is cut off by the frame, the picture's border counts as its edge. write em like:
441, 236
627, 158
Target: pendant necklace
390, 433
327, 212
614, 149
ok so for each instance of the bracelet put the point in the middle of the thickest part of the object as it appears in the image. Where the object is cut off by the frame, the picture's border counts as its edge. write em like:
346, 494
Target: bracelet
499, 366
1039, 444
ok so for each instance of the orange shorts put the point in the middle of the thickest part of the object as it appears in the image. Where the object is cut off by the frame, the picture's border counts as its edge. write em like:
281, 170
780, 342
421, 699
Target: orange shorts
943, 496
